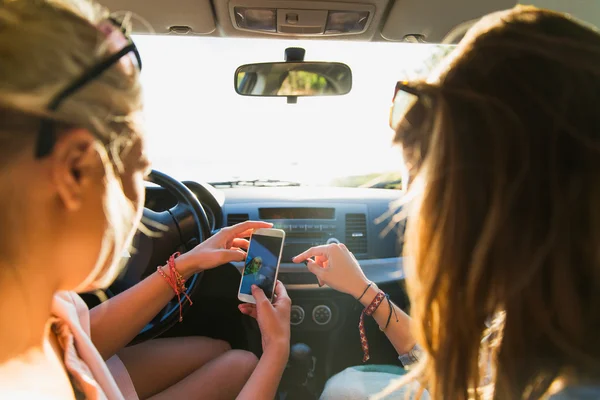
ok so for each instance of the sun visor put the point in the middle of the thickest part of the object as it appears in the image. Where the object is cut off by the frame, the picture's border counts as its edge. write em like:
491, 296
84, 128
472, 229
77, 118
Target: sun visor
193, 17
431, 20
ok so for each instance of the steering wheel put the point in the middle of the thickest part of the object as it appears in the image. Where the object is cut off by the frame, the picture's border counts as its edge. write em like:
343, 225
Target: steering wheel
180, 228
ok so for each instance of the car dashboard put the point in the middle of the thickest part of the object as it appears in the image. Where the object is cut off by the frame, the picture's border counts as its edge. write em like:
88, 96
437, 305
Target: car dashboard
361, 218
312, 216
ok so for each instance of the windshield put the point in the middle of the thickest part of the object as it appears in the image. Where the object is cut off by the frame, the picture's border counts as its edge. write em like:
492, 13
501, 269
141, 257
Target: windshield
198, 128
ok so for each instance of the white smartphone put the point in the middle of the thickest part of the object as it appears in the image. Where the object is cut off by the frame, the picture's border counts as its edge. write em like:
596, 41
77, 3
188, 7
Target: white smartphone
262, 263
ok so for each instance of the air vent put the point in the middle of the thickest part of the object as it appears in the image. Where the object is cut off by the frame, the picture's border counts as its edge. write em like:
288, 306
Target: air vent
233, 219
356, 233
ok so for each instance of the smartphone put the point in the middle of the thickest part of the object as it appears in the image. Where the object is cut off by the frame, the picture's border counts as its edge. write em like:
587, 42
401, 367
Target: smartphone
262, 263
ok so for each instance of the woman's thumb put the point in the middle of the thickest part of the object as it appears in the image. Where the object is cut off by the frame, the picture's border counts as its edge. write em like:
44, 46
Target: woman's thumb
259, 296
315, 269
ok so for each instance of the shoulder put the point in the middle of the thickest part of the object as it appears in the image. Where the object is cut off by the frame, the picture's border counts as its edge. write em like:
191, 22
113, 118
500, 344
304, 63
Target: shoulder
27, 394
17, 374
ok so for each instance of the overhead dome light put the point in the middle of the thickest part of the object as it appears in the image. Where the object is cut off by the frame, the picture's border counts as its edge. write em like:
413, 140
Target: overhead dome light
256, 19
319, 18
346, 21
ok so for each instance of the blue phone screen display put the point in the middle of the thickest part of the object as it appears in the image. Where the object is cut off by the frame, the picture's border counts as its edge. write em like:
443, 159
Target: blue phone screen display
261, 264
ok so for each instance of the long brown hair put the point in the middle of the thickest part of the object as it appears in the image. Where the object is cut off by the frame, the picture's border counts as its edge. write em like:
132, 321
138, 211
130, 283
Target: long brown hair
504, 240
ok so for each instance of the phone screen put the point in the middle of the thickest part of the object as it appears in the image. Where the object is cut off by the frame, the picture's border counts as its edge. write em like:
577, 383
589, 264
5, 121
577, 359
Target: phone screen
261, 264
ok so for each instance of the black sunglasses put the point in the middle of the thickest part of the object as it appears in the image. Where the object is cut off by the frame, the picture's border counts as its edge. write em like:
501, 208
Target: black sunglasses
406, 95
47, 135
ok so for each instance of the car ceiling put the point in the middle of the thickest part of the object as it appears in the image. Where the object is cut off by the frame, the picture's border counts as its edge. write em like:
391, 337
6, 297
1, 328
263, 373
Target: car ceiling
391, 20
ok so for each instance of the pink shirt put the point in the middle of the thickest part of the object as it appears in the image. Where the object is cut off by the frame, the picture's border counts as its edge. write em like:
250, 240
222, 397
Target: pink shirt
34, 375
89, 373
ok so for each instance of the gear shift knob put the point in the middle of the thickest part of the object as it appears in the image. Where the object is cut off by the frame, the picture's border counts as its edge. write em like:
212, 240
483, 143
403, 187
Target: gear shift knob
301, 356
299, 376
301, 362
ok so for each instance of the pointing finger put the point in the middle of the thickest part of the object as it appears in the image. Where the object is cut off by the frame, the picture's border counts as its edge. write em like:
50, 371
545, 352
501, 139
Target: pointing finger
313, 251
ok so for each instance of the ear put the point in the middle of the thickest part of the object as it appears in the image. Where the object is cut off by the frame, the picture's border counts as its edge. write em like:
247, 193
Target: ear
76, 166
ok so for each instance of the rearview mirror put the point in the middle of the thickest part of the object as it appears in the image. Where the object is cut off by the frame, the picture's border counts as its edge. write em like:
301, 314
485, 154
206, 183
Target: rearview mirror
290, 79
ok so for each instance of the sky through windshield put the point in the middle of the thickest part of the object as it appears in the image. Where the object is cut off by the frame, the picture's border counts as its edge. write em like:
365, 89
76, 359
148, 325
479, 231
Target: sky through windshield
198, 128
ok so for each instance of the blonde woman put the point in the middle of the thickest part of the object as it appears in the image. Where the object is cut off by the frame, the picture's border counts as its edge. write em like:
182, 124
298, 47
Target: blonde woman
503, 235
72, 165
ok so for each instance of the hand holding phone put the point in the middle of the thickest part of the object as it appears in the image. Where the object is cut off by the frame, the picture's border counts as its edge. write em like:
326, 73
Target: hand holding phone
262, 263
221, 248
273, 319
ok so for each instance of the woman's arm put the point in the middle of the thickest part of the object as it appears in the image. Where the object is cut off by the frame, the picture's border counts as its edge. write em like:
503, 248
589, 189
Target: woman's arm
335, 266
274, 322
117, 321
398, 332
264, 381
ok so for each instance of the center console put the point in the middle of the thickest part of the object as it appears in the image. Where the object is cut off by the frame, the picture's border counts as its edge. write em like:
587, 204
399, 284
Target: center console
322, 319
306, 227
313, 224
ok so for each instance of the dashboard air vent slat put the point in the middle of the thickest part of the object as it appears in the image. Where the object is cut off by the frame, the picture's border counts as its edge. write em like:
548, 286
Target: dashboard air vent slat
233, 219
356, 233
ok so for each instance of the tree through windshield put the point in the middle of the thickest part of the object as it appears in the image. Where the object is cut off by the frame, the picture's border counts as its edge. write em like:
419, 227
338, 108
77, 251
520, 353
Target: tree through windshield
198, 128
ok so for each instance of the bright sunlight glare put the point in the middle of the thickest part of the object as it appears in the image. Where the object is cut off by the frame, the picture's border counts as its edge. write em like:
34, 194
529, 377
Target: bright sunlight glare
198, 127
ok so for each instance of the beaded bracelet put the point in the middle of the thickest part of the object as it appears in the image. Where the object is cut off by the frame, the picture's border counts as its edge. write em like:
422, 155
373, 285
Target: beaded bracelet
368, 311
176, 282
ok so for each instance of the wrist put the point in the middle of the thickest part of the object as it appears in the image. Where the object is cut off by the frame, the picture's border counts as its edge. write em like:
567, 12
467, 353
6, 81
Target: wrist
185, 267
360, 289
279, 351
369, 295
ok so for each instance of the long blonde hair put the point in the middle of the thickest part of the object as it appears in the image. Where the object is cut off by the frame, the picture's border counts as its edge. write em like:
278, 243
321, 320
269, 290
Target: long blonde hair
504, 237
44, 46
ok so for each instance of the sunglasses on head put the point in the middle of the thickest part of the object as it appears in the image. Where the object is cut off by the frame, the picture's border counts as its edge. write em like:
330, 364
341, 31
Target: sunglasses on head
122, 50
406, 95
